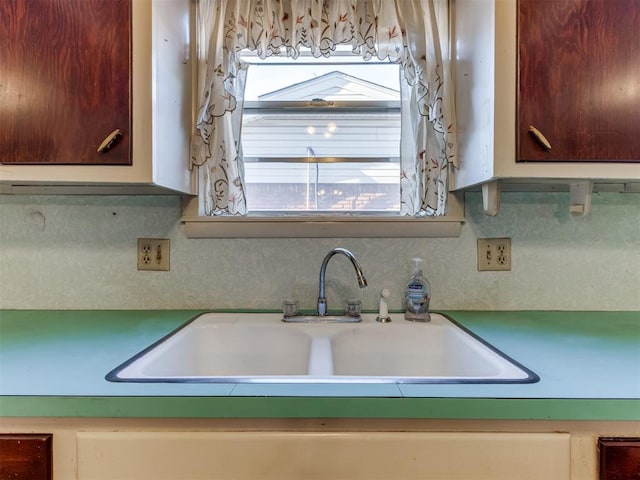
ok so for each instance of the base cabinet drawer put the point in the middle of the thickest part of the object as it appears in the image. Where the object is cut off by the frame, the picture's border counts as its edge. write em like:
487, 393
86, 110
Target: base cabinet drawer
323, 455
619, 458
26, 456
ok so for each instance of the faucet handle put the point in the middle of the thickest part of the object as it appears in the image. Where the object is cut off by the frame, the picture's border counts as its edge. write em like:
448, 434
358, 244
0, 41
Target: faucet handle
290, 308
354, 308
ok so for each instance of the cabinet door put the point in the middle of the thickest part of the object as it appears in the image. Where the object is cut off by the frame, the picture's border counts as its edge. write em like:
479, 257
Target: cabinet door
323, 455
579, 80
619, 458
26, 457
65, 81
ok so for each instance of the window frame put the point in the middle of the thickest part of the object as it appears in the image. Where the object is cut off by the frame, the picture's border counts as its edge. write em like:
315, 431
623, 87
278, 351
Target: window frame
313, 225
198, 225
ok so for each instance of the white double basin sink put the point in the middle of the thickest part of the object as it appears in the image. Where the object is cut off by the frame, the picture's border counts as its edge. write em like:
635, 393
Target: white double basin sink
260, 348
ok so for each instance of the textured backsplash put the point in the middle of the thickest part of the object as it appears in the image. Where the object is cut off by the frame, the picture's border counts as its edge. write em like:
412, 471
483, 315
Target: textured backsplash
79, 252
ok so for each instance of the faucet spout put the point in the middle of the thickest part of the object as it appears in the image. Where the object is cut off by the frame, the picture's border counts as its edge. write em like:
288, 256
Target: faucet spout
362, 281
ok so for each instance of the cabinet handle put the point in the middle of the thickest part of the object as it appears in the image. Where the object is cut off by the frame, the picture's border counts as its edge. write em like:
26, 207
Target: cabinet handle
537, 134
110, 141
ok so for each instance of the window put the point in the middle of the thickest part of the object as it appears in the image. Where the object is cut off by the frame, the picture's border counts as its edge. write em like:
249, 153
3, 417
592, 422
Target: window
338, 137
321, 135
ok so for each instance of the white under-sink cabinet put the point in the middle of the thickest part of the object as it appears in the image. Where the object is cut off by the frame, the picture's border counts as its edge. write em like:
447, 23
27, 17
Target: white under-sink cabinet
322, 448
323, 455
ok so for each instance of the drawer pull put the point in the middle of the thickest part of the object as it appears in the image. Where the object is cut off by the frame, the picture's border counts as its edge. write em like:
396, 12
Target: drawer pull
110, 141
537, 134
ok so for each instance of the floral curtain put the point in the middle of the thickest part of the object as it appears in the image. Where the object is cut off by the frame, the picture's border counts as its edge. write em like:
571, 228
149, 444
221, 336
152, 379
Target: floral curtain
402, 31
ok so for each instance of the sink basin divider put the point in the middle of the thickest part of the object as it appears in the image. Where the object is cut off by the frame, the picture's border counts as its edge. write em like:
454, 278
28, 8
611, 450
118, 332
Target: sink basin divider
320, 357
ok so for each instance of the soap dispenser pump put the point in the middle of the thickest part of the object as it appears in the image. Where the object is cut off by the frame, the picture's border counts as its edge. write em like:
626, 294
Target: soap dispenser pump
417, 295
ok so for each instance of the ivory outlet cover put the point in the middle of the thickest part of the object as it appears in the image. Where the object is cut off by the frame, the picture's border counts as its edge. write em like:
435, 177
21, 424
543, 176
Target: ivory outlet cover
494, 254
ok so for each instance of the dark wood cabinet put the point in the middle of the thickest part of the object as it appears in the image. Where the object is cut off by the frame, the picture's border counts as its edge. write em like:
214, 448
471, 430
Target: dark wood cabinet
619, 458
65, 81
578, 80
26, 457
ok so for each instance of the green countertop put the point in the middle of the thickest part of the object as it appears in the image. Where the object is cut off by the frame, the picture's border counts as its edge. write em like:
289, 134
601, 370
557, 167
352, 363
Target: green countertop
53, 363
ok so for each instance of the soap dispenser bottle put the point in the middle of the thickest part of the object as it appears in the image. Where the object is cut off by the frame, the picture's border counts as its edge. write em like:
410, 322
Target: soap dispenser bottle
417, 295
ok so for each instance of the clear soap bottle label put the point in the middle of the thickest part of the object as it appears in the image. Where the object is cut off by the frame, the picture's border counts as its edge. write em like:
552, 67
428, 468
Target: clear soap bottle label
417, 297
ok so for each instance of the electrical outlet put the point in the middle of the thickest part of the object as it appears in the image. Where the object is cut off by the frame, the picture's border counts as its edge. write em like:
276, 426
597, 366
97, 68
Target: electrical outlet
153, 254
494, 254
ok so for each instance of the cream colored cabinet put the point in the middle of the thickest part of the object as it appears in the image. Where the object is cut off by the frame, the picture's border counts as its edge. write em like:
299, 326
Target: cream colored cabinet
487, 86
323, 455
245, 449
157, 132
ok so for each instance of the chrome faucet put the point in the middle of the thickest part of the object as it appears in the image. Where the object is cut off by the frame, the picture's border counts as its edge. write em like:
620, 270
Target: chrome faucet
362, 282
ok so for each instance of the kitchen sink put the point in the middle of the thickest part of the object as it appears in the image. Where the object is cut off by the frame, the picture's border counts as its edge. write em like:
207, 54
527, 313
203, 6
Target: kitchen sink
260, 348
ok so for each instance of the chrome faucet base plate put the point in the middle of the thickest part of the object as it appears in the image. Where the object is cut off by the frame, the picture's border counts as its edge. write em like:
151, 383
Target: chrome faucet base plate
322, 319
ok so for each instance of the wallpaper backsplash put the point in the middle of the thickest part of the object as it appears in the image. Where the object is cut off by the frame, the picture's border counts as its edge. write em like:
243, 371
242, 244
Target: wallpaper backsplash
79, 252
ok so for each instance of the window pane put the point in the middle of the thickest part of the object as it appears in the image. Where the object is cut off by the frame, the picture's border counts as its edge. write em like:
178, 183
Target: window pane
322, 137
323, 187
311, 134
360, 81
